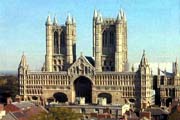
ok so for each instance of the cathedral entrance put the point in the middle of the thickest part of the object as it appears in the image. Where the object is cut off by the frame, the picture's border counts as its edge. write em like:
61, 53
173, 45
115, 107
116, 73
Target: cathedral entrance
83, 88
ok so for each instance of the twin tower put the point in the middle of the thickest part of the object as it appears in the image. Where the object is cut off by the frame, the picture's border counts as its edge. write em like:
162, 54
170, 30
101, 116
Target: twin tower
109, 43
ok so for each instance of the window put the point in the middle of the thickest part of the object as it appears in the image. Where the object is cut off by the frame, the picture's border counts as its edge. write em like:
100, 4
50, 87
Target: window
56, 43
111, 38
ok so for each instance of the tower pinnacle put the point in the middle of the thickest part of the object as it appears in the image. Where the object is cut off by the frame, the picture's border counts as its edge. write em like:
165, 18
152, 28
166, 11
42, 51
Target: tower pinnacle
69, 20
48, 21
55, 20
95, 13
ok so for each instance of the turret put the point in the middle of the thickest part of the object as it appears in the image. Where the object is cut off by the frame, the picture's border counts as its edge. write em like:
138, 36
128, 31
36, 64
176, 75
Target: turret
94, 24
144, 66
49, 43
119, 65
23, 67
74, 38
69, 19
98, 43
48, 21
69, 38
55, 21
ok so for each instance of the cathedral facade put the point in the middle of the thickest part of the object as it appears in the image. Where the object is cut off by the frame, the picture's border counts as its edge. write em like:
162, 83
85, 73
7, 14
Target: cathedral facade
105, 76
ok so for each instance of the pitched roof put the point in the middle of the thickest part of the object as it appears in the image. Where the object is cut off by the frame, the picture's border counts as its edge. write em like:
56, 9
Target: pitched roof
11, 108
91, 60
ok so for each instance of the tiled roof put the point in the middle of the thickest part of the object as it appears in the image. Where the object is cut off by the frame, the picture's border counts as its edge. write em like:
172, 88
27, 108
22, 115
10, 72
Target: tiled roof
11, 108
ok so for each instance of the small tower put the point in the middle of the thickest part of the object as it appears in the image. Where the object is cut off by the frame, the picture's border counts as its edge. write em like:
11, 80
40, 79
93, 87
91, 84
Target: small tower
22, 72
94, 24
55, 22
23, 67
98, 43
49, 45
145, 82
69, 40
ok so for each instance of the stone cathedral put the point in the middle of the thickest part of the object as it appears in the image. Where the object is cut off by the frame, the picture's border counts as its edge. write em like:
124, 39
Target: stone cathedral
105, 76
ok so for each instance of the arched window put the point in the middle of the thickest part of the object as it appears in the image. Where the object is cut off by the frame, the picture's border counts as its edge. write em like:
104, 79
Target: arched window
111, 38
56, 51
104, 38
62, 42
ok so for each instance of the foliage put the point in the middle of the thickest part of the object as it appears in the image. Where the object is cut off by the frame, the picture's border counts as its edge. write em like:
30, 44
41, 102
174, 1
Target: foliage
8, 86
57, 113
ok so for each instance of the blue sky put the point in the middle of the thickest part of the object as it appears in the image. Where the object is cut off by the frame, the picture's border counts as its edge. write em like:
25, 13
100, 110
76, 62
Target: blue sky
153, 25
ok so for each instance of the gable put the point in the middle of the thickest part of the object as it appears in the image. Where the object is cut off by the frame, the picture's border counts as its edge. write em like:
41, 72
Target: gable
81, 67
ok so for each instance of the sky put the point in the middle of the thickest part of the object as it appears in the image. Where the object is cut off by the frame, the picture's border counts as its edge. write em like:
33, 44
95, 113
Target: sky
153, 26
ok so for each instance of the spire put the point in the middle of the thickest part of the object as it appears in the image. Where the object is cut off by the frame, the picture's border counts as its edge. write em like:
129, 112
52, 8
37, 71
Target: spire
69, 20
122, 13
99, 18
95, 14
48, 21
119, 16
73, 20
55, 20
23, 61
143, 59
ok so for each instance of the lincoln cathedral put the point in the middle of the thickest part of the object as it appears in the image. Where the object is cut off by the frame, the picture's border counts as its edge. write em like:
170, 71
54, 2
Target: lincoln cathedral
67, 78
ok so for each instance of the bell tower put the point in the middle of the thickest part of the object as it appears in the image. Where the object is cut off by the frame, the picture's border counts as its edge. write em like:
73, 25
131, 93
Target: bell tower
110, 42
60, 44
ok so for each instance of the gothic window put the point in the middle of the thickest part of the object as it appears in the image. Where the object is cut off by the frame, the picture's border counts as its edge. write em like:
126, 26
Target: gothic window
56, 42
104, 38
62, 42
111, 38
62, 38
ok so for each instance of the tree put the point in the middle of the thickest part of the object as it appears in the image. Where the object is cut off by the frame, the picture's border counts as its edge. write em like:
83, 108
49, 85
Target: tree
57, 113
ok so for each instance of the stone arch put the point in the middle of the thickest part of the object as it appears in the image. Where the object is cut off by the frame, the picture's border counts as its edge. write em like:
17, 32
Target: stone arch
132, 100
35, 98
108, 97
60, 97
83, 88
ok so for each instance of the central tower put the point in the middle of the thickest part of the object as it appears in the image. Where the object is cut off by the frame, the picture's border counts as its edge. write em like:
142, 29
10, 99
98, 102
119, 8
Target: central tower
110, 42
60, 44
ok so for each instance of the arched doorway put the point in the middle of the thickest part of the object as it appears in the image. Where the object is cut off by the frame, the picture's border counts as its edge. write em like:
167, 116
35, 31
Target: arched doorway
60, 97
168, 101
132, 100
83, 88
107, 96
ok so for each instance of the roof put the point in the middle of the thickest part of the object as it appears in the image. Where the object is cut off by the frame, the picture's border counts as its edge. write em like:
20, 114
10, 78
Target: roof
22, 110
91, 60
11, 108
23, 104
157, 111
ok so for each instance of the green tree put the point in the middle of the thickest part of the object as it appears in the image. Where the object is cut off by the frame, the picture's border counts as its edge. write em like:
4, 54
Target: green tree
57, 113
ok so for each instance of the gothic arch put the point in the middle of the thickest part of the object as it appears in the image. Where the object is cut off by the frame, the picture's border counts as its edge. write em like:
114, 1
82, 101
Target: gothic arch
83, 88
56, 42
108, 97
60, 97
